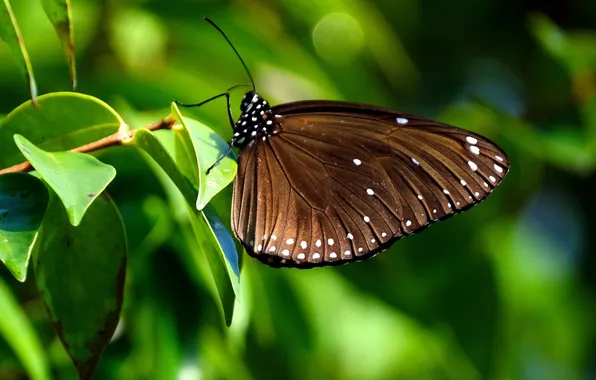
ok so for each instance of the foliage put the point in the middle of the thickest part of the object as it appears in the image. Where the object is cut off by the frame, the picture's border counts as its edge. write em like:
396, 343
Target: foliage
504, 291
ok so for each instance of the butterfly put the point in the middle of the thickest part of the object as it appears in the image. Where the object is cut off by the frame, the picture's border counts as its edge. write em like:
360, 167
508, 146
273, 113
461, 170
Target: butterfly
324, 183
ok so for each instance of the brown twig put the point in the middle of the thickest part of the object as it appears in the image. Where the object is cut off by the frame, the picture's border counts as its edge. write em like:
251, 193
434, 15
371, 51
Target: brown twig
111, 140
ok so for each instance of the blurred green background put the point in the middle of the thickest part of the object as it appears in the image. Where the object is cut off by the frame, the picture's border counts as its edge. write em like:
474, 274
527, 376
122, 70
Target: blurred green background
504, 291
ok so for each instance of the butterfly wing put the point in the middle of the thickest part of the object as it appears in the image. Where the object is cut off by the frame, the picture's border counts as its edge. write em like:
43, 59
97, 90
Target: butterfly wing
341, 182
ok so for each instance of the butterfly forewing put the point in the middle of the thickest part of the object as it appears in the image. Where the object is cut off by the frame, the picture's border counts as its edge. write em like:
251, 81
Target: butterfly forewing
339, 182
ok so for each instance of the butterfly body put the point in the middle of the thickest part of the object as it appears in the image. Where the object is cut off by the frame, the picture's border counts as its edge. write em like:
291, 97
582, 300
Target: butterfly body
257, 121
326, 182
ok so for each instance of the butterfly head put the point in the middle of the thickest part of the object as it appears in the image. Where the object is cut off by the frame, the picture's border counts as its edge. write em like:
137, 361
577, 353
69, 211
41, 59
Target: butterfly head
256, 122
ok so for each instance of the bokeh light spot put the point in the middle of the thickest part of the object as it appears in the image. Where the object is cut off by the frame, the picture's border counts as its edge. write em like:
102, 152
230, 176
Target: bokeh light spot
338, 38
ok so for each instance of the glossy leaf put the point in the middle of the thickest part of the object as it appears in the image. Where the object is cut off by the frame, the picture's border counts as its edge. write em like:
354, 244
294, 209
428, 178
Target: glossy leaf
207, 147
59, 13
76, 178
23, 201
10, 33
64, 120
225, 241
146, 140
214, 243
227, 285
80, 274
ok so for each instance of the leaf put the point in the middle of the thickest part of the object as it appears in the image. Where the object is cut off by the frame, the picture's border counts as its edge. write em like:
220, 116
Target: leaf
59, 13
64, 121
76, 178
23, 201
226, 245
80, 274
17, 331
226, 283
568, 148
574, 50
146, 140
10, 33
209, 233
205, 147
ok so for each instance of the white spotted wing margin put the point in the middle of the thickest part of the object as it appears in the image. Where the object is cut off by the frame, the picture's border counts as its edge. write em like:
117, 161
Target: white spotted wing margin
341, 182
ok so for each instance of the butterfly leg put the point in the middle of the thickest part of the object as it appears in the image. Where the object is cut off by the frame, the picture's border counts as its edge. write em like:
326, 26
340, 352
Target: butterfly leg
226, 94
221, 157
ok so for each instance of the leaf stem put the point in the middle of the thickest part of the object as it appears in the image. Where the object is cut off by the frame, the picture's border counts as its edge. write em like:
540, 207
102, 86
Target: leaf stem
114, 139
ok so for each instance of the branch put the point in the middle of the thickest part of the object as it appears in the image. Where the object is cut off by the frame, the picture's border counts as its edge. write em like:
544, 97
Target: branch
111, 140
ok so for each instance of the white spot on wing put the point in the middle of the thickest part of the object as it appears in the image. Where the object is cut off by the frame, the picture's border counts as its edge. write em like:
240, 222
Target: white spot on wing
383, 234
330, 241
471, 140
332, 255
366, 219
347, 253
415, 161
357, 162
492, 179
350, 236
272, 248
473, 165
285, 252
499, 158
301, 256
370, 192
463, 183
316, 256
420, 197
445, 191
408, 223
498, 168
360, 249
290, 241
474, 149
401, 120
318, 243
273, 237
303, 244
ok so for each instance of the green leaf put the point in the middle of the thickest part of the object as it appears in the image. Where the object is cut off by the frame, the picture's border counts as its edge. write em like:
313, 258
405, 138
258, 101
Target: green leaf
77, 178
225, 241
80, 274
10, 33
23, 201
204, 147
568, 148
59, 13
209, 233
227, 285
17, 331
574, 50
146, 140
64, 121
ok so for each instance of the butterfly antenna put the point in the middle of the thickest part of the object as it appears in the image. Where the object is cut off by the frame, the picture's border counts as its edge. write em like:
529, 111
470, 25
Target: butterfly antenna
233, 48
